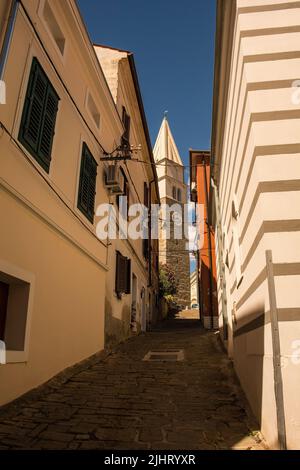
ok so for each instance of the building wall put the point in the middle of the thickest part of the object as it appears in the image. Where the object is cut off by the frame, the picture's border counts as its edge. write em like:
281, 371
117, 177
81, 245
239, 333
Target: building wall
194, 288
207, 256
46, 242
118, 73
258, 173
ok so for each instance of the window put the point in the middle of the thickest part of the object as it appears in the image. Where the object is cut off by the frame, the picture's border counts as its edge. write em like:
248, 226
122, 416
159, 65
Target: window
15, 305
146, 223
179, 195
87, 183
174, 192
39, 116
91, 105
123, 275
54, 28
126, 124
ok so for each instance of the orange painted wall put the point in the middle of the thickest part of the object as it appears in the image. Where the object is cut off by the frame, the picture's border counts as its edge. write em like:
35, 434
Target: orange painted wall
205, 250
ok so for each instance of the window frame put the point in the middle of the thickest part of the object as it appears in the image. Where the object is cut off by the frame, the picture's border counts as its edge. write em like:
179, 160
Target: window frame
14, 272
125, 286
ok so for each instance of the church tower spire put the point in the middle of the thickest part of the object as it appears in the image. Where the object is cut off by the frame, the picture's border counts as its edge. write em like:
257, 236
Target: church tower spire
173, 190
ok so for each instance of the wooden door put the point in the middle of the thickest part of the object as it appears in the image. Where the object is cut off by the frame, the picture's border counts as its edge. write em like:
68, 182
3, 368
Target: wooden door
4, 289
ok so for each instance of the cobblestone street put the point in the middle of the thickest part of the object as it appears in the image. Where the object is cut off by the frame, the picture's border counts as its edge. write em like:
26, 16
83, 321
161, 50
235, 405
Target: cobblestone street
119, 401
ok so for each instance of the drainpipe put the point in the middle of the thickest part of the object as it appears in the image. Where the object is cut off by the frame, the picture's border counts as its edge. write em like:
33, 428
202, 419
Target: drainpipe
220, 260
8, 36
199, 287
209, 249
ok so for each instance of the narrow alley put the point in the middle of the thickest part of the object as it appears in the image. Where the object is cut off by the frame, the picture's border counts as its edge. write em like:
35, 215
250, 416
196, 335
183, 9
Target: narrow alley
120, 401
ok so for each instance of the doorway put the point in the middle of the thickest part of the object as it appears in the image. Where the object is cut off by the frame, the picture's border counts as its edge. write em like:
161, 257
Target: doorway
143, 310
133, 303
4, 289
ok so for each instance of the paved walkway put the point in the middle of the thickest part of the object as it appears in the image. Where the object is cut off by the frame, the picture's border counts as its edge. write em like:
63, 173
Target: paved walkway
119, 401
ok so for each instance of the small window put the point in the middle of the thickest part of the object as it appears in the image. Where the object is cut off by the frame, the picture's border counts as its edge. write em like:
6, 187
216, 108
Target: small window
179, 195
54, 28
126, 124
39, 116
93, 110
14, 297
87, 184
146, 223
123, 274
174, 192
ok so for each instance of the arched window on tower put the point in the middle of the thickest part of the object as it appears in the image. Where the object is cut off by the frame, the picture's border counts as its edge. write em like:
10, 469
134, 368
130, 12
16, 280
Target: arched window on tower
174, 192
179, 194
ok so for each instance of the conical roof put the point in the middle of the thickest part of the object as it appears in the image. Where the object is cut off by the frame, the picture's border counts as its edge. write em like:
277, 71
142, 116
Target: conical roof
165, 146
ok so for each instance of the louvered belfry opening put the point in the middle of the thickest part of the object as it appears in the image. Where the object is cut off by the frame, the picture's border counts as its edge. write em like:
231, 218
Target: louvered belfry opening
39, 116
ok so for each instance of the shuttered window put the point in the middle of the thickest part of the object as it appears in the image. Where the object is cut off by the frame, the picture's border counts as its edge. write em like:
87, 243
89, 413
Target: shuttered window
123, 274
39, 116
87, 183
146, 223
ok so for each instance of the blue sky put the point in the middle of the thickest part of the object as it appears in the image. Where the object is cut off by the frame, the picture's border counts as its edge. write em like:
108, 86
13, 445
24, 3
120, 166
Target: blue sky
173, 46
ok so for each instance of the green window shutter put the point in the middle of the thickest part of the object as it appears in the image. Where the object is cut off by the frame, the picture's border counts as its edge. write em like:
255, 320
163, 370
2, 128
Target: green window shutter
87, 183
39, 116
48, 126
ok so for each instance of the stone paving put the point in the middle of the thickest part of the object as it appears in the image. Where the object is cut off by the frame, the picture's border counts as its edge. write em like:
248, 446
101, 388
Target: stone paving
118, 401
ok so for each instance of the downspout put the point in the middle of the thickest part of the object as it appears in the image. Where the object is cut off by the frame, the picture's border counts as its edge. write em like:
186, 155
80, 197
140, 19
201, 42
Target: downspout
8, 36
199, 287
209, 249
220, 260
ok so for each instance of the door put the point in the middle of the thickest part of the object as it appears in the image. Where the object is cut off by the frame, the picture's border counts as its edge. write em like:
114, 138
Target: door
133, 303
143, 310
4, 289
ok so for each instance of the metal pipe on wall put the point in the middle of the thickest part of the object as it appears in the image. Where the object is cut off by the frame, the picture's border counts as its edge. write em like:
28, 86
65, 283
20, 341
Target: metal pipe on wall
8, 36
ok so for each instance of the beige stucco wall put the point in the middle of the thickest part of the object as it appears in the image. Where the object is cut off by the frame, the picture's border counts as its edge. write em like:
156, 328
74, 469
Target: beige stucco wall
260, 171
116, 67
44, 235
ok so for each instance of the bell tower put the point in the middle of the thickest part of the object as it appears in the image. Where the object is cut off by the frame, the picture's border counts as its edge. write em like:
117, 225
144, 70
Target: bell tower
173, 250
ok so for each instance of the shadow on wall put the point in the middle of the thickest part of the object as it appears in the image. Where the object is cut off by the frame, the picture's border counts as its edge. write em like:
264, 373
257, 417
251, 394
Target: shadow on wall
116, 330
205, 298
248, 356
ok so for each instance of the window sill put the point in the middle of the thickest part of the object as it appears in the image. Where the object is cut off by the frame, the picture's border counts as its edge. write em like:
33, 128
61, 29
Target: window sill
14, 357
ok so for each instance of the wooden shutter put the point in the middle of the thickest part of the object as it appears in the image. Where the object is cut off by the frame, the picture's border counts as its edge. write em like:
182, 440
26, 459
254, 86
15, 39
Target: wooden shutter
146, 230
87, 183
39, 116
121, 273
128, 276
4, 290
48, 126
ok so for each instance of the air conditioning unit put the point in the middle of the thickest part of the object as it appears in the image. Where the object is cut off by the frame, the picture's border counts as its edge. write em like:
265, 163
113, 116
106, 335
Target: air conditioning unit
113, 179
